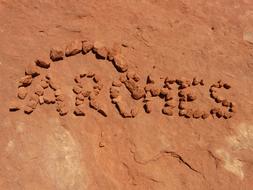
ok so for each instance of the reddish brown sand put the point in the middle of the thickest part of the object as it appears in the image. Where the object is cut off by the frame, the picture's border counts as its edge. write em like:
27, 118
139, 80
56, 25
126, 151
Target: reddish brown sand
100, 149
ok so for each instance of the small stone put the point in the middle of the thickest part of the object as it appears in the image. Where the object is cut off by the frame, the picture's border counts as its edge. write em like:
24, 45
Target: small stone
102, 52
32, 104
138, 93
82, 75
147, 107
94, 104
34, 97
171, 104
219, 99
205, 115
102, 112
195, 81
225, 103
119, 63
44, 84
53, 85
92, 96
39, 90
14, 106
56, 54
219, 114
86, 93
123, 78
87, 46
90, 74
182, 93
169, 96
214, 95
155, 91
73, 48
134, 112
22, 93
41, 100
77, 89
77, 79
116, 83
182, 112
59, 106
189, 113
197, 114
58, 92
150, 79
31, 70
96, 79
164, 92
212, 89
232, 109
49, 98
60, 98
114, 93
28, 110
63, 111
191, 97
182, 105
202, 82
42, 63
167, 111
78, 102
227, 115
79, 110
26, 80
80, 97
168, 80
226, 86
214, 110
112, 52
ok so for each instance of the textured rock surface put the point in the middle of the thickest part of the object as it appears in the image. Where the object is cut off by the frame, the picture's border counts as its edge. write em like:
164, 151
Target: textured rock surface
209, 40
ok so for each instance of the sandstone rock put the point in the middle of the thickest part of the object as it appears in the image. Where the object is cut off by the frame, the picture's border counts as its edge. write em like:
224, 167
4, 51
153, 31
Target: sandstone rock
79, 110
94, 104
197, 114
138, 93
49, 98
90, 74
182, 105
42, 63
28, 110
225, 103
78, 102
53, 85
41, 100
58, 92
77, 89
114, 92
131, 85
123, 78
134, 112
44, 84
219, 99
56, 54
119, 63
167, 111
205, 115
77, 79
26, 80
60, 98
32, 104
31, 70
34, 97
14, 106
155, 91
39, 90
112, 52
191, 97
202, 82
116, 83
195, 81
182, 112
86, 93
133, 75
96, 79
226, 86
148, 107
122, 107
100, 50
227, 115
150, 79
73, 48
22, 93
87, 46
80, 97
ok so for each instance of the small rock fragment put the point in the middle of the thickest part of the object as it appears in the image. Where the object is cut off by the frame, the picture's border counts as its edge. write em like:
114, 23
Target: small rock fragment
148, 107
58, 92
79, 110
227, 115
77, 79
182, 105
94, 104
182, 112
195, 81
28, 110
226, 86
41, 100
32, 104
86, 93
49, 98
56, 54
225, 103
22, 93
114, 93
14, 106
219, 99
78, 102
167, 111
60, 98
80, 97
26, 80
53, 85
90, 74
134, 112
119, 63
205, 115
39, 90
150, 79
197, 114
112, 52
123, 78
116, 83
96, 79
191, 97
31, 70
44, 84
42, 63
73, 48
155, 91
87, 46
77, 89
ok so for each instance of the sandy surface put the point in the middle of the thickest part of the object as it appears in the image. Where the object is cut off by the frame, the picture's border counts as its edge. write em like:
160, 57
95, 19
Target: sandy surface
175, 39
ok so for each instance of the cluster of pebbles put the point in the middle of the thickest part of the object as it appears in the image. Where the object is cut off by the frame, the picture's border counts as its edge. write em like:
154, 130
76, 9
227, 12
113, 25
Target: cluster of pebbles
231, 108
130, 81
83, 92
46, 91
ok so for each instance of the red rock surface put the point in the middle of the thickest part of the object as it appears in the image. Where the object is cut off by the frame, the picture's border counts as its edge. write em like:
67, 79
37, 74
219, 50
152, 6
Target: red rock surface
52, 148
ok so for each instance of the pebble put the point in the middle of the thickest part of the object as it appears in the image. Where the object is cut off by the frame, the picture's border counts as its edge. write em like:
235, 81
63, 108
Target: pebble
28, 110
56, 54
31, 70
42, 63
87, 46
167, 111
73, 48
14, 106
119, 63
22, 93
26, 80
79, 110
